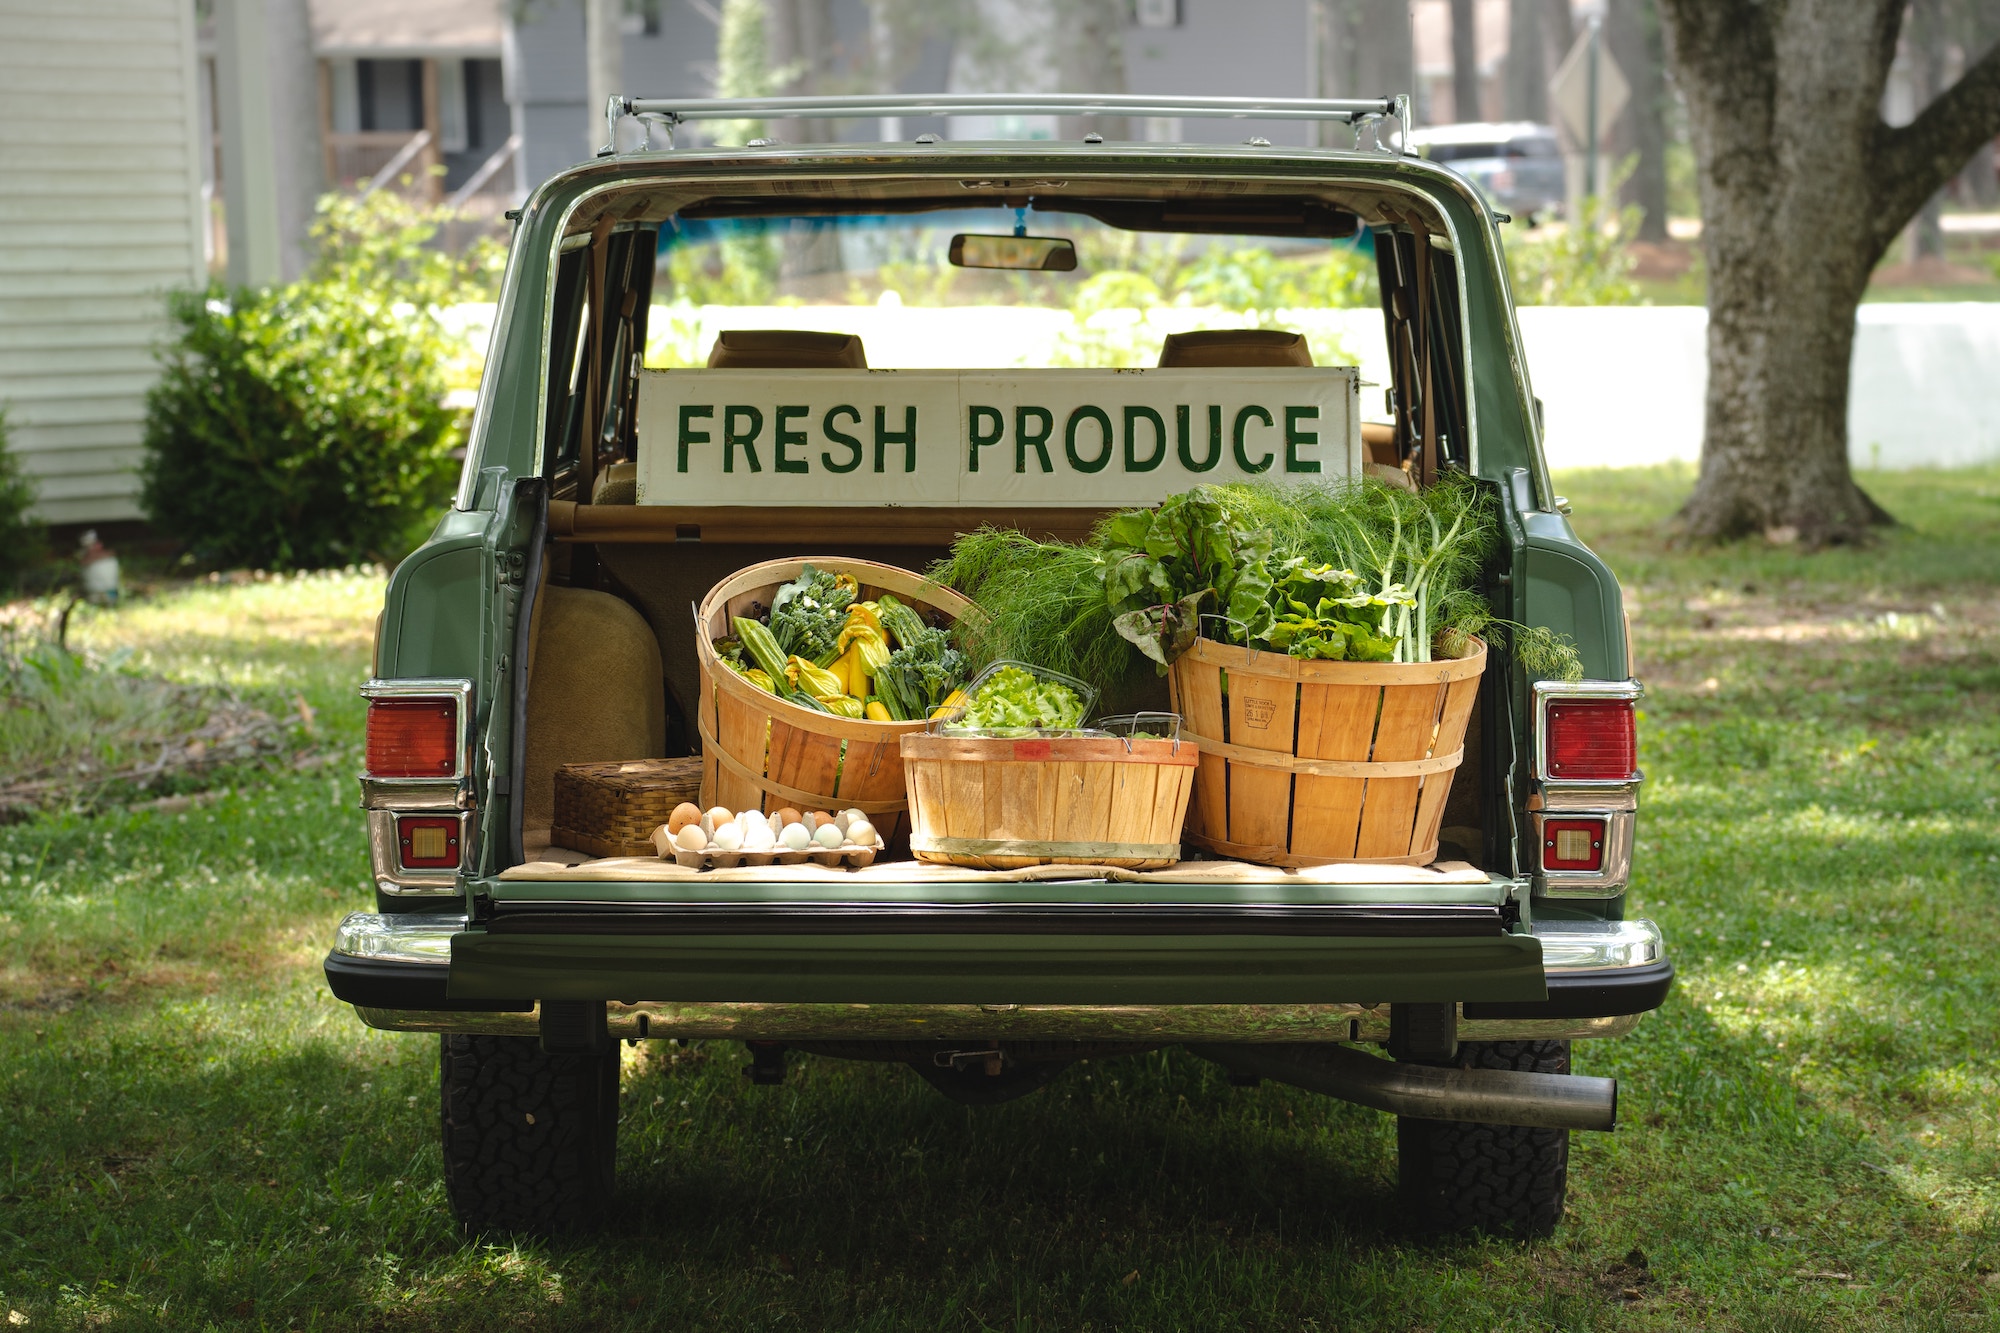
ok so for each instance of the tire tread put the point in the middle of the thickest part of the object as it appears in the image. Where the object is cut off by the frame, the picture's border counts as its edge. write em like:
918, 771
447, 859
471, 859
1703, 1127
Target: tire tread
1503, 1179
530, 1139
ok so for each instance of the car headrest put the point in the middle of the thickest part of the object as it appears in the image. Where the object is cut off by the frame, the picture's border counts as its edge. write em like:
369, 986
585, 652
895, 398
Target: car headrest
785, 349
1235, 347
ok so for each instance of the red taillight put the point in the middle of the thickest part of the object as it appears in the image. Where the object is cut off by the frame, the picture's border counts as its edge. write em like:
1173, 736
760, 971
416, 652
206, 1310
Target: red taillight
1572, 844
428, 844
1592, 740
412, 738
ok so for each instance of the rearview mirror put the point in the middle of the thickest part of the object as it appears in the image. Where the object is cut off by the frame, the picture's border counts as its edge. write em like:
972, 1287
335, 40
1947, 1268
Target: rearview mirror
1047, 254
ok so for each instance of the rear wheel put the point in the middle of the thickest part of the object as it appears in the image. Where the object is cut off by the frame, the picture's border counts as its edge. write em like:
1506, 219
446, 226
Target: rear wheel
1503, 1179
530, 1139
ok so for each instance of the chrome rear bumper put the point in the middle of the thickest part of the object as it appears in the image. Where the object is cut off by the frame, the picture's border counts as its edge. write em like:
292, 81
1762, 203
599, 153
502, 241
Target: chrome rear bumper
1602, 978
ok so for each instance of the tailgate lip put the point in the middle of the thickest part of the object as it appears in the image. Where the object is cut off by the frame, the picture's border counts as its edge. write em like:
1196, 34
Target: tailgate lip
1409, 920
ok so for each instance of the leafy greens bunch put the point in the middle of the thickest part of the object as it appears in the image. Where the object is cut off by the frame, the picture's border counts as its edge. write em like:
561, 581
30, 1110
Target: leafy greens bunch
1362, 571
1163, 566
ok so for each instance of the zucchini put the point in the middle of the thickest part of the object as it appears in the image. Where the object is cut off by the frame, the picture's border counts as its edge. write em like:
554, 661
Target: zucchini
761, 644
902, 623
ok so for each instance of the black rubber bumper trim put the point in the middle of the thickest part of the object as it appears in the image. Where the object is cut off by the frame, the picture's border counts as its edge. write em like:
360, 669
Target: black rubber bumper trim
393, 983
1415, 921
1610, 993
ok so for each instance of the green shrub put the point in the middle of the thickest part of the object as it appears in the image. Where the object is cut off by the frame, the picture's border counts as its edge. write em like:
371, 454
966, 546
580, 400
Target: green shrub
1587, 261
23, 542
303, 426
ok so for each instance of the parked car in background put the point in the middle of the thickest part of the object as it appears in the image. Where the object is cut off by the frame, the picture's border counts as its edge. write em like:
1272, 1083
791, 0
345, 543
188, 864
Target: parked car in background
1518, 165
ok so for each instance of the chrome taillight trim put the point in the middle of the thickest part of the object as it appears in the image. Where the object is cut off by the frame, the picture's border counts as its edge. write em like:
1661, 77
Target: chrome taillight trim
1610, 879
385, 855
1613, 800
460, 691
386, 798
1552, 691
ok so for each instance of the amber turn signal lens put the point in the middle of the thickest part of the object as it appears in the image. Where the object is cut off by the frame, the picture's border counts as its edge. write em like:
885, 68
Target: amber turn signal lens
1592, 740
428, 844
1572, 844
412, 738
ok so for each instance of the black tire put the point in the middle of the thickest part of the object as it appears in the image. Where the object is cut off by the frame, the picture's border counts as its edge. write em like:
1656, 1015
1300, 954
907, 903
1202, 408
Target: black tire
1505, 1180
530, 1139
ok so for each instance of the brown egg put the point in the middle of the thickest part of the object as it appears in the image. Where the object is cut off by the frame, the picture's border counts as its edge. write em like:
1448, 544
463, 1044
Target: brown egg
784, 817
687, 812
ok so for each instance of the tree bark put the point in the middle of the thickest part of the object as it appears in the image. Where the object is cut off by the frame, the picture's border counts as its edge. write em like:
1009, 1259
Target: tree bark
1527, 71
801, 44
1464, 62
1089, 39
1803, 188
1632, 36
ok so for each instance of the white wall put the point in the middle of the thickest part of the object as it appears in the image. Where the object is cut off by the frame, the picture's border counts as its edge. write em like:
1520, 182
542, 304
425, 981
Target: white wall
99, 214
1623, 385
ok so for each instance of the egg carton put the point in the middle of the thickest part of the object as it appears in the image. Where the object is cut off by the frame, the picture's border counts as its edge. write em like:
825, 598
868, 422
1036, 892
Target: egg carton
830, 857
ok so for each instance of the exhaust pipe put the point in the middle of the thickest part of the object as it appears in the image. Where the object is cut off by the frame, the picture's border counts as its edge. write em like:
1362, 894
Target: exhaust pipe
1426, 1092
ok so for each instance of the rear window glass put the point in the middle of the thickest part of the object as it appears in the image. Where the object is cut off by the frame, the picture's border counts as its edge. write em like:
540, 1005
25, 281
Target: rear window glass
887, 279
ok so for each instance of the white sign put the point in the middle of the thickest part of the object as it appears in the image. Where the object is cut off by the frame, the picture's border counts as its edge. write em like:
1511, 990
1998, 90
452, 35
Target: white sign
1570, 89
1088, 438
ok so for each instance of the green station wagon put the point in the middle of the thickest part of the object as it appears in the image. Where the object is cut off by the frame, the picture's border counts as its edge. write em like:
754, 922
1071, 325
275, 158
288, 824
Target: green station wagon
705, 358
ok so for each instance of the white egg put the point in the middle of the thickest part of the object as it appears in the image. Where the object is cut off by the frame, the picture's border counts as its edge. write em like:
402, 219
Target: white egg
728, 838
750, 819
691, 838
827, 836
757, 838
861, 833
795, 837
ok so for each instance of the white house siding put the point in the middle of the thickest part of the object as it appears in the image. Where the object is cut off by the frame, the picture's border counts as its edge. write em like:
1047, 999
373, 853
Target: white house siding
100, 214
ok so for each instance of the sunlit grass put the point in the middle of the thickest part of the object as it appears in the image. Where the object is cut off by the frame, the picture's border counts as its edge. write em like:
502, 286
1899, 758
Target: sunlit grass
193, 1134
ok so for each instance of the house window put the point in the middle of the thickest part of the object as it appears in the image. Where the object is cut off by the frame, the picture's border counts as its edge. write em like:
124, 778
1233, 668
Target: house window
390, 94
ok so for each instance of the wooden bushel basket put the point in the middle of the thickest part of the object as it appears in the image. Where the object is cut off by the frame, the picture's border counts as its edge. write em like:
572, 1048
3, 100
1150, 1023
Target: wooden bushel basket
1307, 763
759, 752
995, 803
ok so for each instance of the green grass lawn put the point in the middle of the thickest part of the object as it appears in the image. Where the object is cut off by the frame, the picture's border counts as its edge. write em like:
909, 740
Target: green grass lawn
193, 1134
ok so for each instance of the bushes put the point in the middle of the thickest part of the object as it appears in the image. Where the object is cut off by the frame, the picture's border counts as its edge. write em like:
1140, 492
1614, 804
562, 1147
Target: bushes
22, 540
303, 426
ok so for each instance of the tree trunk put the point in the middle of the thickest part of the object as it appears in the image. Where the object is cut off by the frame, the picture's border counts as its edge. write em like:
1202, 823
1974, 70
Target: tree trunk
801, 44
1527, 71
1803, 188
1929, 42
1376, 59
1632, 36
1089, 39
1464, 62
1982, 183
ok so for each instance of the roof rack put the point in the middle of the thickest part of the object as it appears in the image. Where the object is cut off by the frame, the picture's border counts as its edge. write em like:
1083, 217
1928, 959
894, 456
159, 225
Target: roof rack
670, 113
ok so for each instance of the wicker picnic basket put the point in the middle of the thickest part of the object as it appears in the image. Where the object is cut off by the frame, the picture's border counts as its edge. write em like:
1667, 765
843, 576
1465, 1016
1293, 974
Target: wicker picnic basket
759, 751
612, 808
1308, 763
993, 803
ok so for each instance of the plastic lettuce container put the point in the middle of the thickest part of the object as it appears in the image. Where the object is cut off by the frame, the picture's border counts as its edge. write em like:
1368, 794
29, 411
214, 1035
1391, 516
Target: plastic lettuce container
1141, 726
1019, 699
